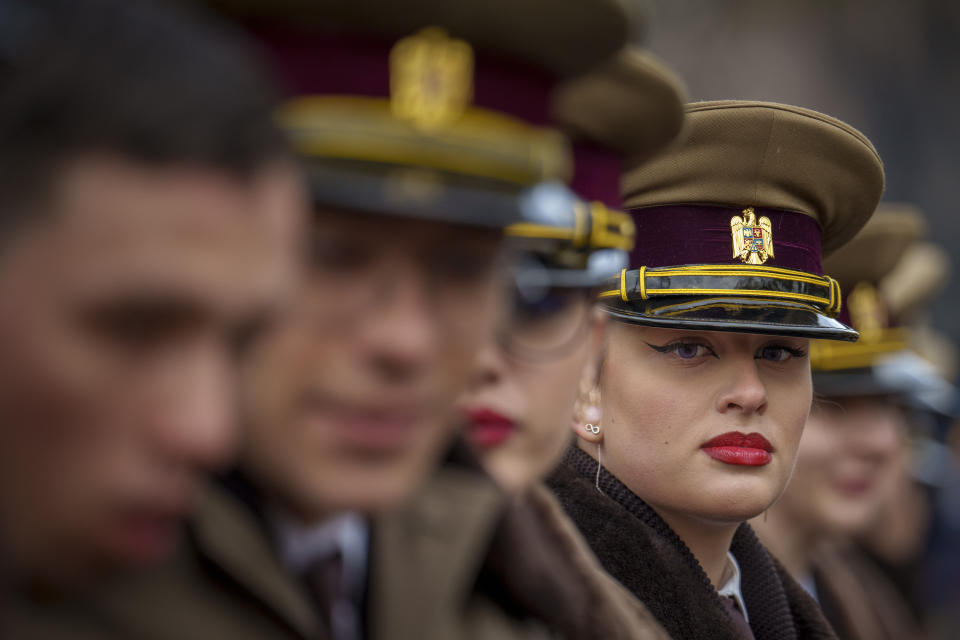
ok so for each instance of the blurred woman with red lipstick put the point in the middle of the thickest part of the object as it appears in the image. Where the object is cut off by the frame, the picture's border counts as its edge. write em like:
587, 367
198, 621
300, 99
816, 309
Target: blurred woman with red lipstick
519, 407
700, 401
526, 381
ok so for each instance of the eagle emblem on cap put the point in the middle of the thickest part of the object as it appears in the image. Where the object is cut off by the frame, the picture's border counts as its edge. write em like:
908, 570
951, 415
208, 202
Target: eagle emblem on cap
752, 239
431, 79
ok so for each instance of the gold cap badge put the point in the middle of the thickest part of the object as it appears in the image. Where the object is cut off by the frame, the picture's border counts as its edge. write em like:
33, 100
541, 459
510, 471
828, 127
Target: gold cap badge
752, 240
431, 79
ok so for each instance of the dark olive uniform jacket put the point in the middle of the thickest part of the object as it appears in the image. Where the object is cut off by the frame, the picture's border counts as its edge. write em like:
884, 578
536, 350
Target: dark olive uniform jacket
638, 548
225, 581
461, 560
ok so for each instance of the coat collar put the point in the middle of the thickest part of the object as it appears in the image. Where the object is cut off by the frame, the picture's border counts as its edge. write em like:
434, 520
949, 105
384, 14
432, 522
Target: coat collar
638, 548
230, 535
425, 557
610, 611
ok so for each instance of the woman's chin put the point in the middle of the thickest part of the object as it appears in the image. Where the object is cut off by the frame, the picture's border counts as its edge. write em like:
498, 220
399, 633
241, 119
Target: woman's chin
736, 507
734, 515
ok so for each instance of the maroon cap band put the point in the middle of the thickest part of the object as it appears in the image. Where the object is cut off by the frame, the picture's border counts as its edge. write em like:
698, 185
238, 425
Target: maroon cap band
677, 235
844, 315
596, 175
324, 64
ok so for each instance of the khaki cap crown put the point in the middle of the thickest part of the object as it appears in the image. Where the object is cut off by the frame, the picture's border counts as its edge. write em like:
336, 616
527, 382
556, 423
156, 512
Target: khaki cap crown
920, 276
745, 153
878, 248
632, 103
565, 38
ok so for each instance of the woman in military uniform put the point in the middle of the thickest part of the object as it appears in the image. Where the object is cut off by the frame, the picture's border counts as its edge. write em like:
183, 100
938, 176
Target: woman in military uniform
526, 379
521, 402
705, 386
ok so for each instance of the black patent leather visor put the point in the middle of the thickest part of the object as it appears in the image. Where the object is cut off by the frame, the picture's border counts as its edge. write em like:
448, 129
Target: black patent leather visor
408, 192
721, 297
742, 315
904, 374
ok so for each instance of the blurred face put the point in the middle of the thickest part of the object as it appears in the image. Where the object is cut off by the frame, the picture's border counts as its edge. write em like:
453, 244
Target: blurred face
121, 316
349, 402
519, 407
703, 425
845, 465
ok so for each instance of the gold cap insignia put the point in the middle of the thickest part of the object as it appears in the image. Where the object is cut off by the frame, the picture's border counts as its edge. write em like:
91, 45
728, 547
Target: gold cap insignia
431, 79
867, 312
752, 239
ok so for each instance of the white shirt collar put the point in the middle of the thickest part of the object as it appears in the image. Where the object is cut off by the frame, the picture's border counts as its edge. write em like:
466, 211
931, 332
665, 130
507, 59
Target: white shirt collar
301, 545
732, 587
810, 585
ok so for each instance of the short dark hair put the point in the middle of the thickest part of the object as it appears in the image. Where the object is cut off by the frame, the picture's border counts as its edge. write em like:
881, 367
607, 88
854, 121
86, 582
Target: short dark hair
156, 83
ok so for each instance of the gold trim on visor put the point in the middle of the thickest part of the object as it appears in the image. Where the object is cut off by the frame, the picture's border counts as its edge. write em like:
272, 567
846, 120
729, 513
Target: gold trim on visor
480, 143
869, 317
612, 229
673, 310
595, 227
803, 292
827, 355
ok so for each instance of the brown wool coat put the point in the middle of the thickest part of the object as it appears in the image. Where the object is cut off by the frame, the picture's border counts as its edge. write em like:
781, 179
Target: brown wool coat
858, 599
638, 548
535, 565
459, 561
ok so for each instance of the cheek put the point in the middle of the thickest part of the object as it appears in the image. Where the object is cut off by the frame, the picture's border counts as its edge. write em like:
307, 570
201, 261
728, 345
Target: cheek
641, 397
56, 379
790, 408
69, 415
818, 453
475, 312
467, 325
286, 364
544, 408
551, 388
645, 426
271, 373
819, 446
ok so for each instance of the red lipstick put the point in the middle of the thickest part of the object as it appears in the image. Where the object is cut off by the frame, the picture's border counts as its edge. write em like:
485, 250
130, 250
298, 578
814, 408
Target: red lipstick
750, 450
487, 428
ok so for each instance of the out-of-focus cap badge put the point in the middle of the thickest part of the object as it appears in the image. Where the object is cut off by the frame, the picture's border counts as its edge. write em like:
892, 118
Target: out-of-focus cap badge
431, 79
867, 312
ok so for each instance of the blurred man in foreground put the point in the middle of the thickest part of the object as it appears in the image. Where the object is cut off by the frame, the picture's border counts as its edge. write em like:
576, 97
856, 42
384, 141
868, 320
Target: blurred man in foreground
424, 131
148, 229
